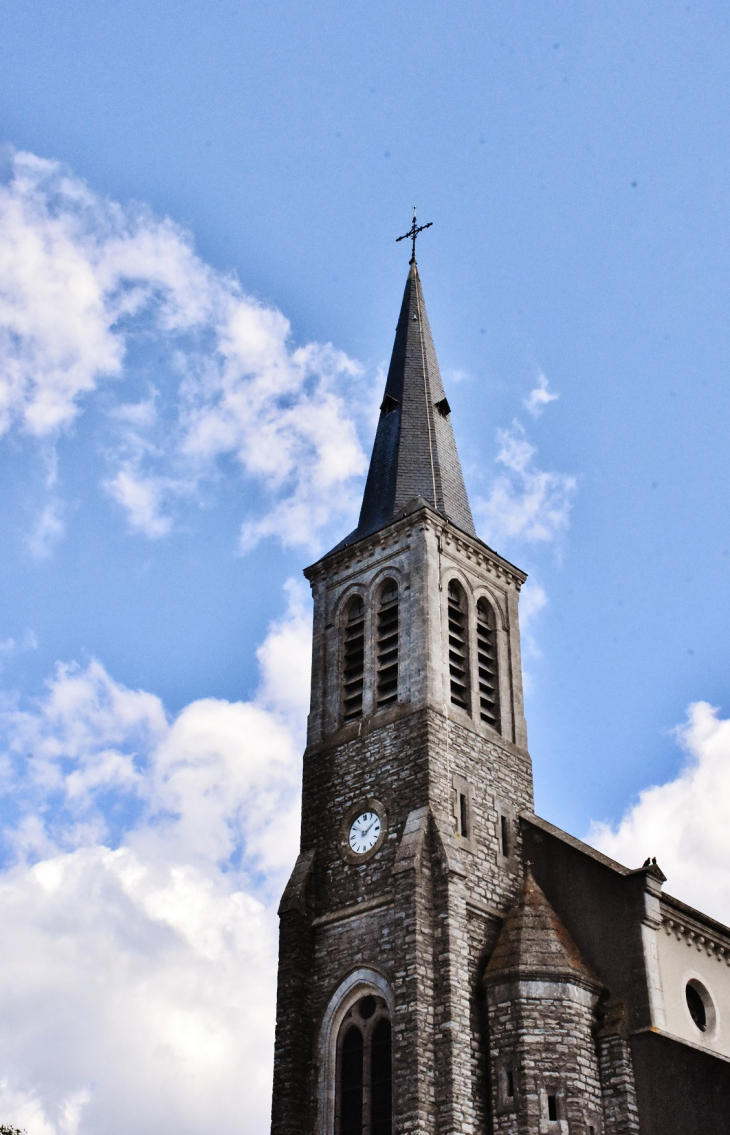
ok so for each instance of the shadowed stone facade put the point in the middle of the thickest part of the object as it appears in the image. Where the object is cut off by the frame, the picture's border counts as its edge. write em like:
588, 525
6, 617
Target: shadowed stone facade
511, 1000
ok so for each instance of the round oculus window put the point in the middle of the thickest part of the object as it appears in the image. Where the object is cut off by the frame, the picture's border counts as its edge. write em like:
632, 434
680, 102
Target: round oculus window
699, 1003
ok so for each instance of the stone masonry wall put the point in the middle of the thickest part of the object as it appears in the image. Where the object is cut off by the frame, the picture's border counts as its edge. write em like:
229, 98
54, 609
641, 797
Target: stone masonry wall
620, 1109
542, 1032
428, 929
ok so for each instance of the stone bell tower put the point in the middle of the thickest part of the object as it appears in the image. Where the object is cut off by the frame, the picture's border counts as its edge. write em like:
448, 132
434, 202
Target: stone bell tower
415, 771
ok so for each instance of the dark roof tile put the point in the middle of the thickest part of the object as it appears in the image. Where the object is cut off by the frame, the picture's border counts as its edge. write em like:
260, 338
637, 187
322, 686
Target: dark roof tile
414, 454
534, 945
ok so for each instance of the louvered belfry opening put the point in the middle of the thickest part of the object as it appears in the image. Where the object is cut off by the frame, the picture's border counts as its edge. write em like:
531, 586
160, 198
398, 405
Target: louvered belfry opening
458, 646
487, 663
353, 662
387, 689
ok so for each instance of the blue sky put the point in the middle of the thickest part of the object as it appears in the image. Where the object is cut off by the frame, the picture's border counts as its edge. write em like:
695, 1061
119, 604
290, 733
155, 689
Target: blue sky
199, 288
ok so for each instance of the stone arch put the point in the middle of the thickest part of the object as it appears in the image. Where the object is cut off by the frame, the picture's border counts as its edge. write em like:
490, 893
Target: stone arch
496, 601
388, 571
359, 983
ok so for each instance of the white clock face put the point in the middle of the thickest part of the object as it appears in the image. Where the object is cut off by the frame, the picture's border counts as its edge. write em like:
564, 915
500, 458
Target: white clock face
364, 832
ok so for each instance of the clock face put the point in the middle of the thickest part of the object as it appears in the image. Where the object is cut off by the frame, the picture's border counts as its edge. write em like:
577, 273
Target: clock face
364, 832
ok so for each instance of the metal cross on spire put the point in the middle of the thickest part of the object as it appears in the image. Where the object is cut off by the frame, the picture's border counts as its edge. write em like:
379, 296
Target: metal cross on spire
413, 232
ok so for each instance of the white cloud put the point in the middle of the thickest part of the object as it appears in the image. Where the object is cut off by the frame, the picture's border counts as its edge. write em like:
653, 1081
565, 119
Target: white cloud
533, 599
454, 374
82, 280
539, 397
285, 657
139, 908
47, 531
685, 822
142, 498
525, 502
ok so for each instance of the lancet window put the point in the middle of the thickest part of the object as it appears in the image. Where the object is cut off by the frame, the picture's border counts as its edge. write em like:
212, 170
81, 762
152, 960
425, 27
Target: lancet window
387, 677
353, 659
364, 1098
458, 645
488, 664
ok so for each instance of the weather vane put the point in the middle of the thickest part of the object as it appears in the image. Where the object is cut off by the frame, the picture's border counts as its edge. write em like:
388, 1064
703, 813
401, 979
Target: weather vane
413, 232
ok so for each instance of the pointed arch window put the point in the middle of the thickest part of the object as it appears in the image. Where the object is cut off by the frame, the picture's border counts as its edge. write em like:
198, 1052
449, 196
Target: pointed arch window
458, 645
353, 659
351, 1082
387, 678
364, 1096
487, 663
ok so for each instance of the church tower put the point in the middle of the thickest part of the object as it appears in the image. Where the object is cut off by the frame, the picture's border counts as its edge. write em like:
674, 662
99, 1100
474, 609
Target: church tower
449, 961
415, 772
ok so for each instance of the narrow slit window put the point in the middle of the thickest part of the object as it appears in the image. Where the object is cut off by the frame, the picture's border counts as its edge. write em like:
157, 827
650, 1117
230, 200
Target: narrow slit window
458, 647
504, 832
552, 1107
463, 815
510, 1083
353, 663
387, 689
487, 664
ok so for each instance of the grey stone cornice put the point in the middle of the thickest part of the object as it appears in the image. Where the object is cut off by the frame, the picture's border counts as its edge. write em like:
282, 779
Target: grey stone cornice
704, 1049
393, 535
383, 718
698, 934
354, 910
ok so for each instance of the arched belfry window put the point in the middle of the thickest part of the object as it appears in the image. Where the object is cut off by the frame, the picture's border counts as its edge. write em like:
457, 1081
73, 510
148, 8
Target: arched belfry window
488, 664
458, 645
387, 679
353, 659
364, 1097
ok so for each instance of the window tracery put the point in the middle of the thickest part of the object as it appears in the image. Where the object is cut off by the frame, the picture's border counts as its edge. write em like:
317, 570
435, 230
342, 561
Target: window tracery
364, 1098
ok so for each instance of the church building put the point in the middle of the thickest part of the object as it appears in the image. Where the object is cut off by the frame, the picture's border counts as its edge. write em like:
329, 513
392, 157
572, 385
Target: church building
450, 963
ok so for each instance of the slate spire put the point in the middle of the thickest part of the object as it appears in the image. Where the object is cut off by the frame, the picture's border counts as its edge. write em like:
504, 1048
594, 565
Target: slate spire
414, 456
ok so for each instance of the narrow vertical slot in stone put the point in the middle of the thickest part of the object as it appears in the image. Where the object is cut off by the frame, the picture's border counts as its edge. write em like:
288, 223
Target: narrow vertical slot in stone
464, 815
504, 830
